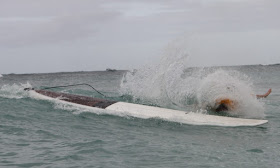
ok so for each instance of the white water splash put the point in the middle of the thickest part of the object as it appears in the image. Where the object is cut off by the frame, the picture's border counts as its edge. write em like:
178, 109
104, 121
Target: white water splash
15, 91
172, 83
231, 85
152, 82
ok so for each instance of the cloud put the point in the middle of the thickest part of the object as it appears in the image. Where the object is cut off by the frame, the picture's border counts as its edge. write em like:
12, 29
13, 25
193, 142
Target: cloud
38, 23
222, 15
63, 28
50, 21
131, 32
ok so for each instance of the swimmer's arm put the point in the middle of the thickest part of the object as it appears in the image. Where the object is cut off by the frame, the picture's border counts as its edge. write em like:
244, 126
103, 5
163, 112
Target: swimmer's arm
264, 95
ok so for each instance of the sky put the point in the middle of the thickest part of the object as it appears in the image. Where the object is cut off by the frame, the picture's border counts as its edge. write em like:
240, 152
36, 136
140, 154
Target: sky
38, 36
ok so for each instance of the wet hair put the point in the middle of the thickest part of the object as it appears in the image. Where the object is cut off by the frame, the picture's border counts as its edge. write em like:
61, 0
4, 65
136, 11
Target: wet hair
221, 107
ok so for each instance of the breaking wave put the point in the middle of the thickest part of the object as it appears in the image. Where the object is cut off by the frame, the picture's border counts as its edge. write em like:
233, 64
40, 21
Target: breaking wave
173, 83
15, 91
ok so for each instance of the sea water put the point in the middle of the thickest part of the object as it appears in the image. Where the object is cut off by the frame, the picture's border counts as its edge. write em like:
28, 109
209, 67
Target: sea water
38, 133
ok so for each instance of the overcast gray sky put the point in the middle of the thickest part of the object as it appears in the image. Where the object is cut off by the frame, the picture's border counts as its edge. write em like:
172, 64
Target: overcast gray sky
84, 35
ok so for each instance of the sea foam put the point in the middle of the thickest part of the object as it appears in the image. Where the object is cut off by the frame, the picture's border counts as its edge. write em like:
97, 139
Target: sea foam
14, 91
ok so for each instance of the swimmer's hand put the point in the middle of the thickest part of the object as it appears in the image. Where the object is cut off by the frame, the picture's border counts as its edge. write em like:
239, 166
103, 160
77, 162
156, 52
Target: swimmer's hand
264, 95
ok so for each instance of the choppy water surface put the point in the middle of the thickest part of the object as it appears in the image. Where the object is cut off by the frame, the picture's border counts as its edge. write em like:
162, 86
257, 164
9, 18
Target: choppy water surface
38, 133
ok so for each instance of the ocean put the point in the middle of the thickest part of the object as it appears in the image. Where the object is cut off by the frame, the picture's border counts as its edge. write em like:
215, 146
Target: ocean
39, 133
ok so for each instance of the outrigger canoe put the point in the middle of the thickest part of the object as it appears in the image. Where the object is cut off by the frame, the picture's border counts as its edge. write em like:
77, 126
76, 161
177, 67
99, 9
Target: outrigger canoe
143, 111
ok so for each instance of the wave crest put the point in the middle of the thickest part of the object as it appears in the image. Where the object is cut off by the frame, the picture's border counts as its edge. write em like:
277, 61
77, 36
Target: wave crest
15, 91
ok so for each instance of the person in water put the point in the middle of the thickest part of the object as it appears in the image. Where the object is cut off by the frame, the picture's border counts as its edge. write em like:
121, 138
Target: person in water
228, 104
